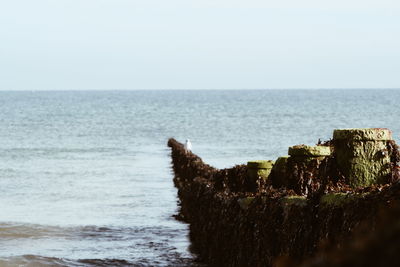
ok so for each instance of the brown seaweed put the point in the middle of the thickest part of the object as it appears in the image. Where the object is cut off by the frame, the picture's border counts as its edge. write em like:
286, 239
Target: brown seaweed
234, 222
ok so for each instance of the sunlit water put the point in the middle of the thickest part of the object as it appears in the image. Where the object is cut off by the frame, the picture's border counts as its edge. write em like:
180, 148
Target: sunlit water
85, 177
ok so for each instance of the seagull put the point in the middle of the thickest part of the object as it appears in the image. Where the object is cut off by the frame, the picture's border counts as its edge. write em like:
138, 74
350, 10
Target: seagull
188, 146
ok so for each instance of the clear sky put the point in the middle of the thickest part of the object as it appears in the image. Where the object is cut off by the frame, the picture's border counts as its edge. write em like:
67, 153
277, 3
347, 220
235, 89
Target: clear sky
210, 44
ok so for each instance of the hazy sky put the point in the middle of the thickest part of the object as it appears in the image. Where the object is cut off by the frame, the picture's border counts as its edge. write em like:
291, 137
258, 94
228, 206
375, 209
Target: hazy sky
141, 44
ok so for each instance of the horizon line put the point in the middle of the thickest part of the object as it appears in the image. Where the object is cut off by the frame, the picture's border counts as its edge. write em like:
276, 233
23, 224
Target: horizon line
196, 89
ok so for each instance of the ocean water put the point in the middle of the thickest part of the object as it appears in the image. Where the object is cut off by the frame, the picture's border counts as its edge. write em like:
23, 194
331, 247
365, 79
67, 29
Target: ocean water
85, 176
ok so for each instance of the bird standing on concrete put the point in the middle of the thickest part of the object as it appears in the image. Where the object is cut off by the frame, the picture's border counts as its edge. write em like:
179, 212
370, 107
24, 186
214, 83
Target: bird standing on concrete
188, 146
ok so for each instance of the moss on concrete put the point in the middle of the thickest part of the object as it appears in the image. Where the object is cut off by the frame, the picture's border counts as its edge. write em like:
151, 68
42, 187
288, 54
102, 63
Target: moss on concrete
280, 162
259, 168
363, 161
294, 200
363, 134
260, 164
309, 151
336, 199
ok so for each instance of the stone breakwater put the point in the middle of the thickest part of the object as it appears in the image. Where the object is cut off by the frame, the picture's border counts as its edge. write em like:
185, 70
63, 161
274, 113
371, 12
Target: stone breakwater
308, 208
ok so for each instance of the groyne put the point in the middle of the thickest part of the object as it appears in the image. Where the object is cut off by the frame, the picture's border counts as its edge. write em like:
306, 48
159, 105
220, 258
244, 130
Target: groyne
302, 209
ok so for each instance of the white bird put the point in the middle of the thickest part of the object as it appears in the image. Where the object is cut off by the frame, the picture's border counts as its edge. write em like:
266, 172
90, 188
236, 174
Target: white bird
188, 146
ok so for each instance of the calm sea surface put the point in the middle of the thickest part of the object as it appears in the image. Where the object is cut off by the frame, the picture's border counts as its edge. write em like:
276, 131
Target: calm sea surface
85, 177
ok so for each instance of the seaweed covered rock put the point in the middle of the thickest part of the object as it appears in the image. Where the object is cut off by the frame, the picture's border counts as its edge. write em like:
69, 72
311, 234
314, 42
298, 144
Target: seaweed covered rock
303, 206
380, 247
302, 170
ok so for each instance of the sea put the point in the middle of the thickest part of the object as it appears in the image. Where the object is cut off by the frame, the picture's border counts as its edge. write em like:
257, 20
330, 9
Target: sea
86, 178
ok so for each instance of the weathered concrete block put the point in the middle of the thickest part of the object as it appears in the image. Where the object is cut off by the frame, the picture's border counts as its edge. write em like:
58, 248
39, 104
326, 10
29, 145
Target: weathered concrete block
362, 155
280, 163
336, 199
259, 168
373, 134
294, 200
279, 172
303, 167
309, 151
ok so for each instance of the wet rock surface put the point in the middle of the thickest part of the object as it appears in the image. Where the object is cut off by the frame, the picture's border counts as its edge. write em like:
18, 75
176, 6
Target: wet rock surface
306, 212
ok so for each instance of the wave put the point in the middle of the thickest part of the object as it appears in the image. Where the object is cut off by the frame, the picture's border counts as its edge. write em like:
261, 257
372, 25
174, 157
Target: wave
34, 245
41, 261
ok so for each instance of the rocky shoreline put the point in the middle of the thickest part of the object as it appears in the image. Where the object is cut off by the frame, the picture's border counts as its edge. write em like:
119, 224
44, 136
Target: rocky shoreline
302, 209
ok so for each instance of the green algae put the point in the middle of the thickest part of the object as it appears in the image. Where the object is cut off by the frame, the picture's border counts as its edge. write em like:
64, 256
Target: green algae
336, 199
309, 151
294, 200
362, 159
260, 164
363, 134
259, 168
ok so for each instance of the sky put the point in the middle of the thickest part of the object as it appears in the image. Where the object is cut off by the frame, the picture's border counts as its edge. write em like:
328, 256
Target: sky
199, 44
